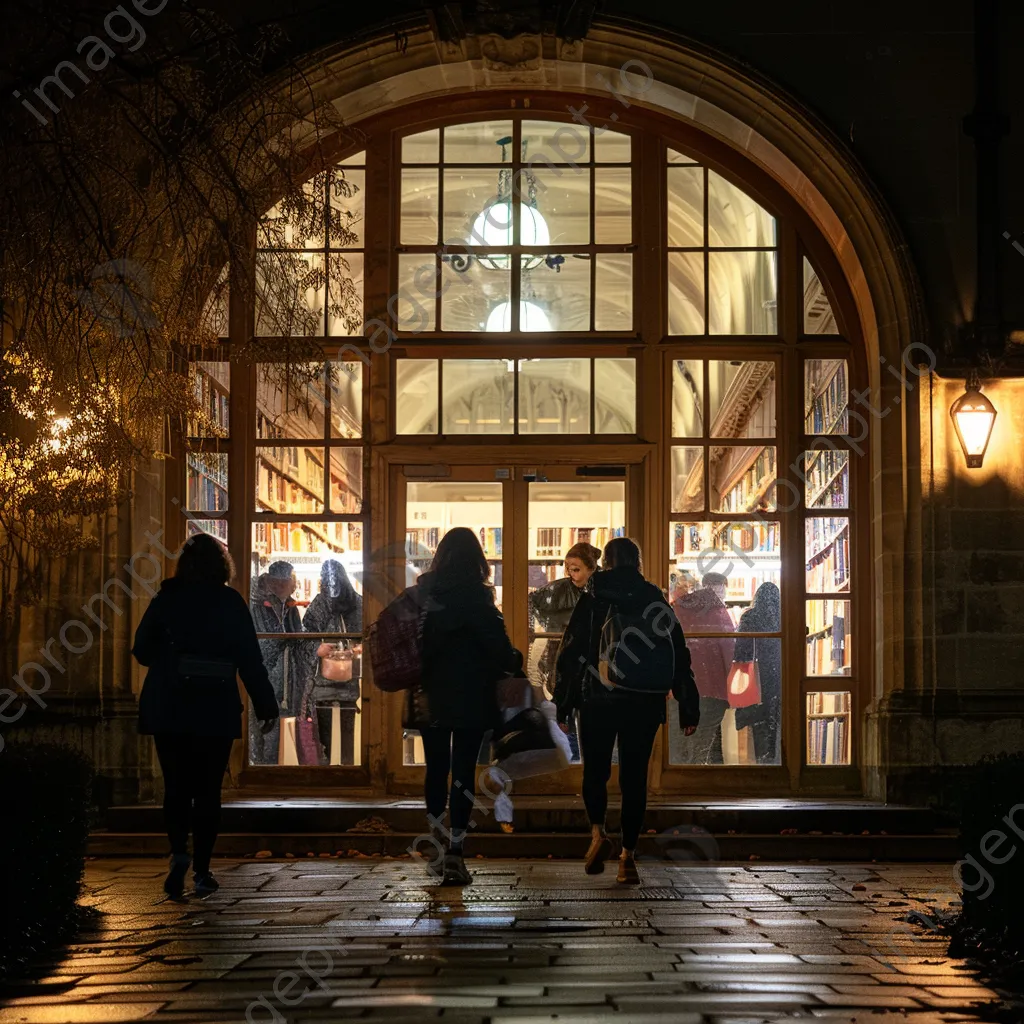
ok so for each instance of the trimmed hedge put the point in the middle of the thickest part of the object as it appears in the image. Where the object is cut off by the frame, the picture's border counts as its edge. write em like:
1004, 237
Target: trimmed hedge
46, 793
990, 927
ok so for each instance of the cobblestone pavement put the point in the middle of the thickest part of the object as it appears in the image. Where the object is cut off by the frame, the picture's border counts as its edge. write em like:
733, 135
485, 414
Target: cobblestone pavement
531, 941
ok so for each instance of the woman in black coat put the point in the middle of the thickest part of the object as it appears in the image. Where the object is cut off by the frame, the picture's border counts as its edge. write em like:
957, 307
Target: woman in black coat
194, 636
465, 651
764, 719
609, 712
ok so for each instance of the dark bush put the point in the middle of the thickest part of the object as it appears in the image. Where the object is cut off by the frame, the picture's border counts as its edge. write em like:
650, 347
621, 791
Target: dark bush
990, 928
46, 792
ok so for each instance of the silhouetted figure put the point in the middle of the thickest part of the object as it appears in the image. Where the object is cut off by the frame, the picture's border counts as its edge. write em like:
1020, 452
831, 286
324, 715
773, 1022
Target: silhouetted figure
195, 635
465, 651
610, 711
763, 616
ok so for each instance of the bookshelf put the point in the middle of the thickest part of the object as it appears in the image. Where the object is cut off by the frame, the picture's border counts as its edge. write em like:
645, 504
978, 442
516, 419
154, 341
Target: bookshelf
826, 396
829, 642
211, 386
290, 479
747, 479
828, 728
827, 546
207, 488
827, 479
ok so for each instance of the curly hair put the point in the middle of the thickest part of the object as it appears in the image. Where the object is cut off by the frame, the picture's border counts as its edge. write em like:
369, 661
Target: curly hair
204, 559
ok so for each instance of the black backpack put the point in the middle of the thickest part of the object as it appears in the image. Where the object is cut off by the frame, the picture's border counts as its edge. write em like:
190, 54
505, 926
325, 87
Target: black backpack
636, 651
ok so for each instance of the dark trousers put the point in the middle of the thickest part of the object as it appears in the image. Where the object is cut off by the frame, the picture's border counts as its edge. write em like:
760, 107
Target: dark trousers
324, 717
451, 751
601, 722
193, 768
705, 745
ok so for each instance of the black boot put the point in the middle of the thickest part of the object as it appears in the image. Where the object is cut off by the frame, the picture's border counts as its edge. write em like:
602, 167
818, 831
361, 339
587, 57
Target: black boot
174, 883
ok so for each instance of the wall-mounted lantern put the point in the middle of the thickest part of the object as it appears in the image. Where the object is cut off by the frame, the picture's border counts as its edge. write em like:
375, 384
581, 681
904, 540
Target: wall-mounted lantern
973, 417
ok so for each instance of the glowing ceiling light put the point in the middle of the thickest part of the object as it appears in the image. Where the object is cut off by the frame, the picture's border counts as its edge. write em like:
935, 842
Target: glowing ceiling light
531, 318
492, 229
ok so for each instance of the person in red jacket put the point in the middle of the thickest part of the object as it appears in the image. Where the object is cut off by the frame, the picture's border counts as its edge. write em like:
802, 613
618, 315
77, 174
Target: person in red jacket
704, 611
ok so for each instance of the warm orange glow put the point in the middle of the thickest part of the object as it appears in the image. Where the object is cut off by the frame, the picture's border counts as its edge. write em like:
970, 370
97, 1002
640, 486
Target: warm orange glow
973, 417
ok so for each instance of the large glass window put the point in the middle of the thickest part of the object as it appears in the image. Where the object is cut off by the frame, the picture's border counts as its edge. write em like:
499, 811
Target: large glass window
527, 225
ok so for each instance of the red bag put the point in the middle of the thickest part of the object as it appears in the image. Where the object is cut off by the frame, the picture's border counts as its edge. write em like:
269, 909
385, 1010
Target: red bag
744, 684
395, 643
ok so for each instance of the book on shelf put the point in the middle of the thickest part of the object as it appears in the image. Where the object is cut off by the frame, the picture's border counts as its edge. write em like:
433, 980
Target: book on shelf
490, 541
748, 490
828, 646
422, 542
826, 397
828, 571
827, 476
828, 740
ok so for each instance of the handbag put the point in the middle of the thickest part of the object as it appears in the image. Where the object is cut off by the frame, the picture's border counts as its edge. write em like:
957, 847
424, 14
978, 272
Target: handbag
307, 736
335, 663
744, 684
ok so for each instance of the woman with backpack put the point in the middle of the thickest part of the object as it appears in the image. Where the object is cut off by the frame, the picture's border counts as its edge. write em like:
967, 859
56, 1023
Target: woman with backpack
465, 650
622, 654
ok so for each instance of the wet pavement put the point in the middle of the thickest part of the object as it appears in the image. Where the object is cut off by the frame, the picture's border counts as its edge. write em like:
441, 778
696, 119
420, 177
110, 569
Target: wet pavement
336, 939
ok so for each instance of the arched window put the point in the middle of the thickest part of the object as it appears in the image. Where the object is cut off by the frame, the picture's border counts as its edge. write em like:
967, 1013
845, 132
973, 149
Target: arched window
641, 289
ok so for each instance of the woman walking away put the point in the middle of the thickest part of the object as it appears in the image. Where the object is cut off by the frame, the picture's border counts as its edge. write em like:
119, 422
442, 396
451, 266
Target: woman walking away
622, 654
195, 635
764, 719
465, 651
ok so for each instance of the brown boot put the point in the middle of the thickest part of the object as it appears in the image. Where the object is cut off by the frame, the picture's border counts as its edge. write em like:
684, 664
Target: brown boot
628, 874
597, 853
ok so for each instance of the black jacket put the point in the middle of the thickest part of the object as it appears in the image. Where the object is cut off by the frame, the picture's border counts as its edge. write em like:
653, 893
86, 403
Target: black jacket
208, 621
574, 685
465, 651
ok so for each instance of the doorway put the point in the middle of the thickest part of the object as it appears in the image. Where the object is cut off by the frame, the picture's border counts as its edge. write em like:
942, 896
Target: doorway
527, 515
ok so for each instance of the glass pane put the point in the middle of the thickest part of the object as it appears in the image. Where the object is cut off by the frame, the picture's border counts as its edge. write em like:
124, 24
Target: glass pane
289, 479
417, 292
734, 219
420, 205
612, 148
293, 566
347, 209
826, 396
297, 221
290, 400
481, 142
687, 398
818, 315
687, 480
555, 204
207, 487
472, 212
827, 553
742, 479
614, 396
477, 396
613, 298
554, 141
561, 515
346, 378
827, 479
742, 398
211, 386
290, 294
828, 728
416, 396
613, 205
345, 294
741, 293
347, 480
422, 148
742, 556
556, 299
829, 638
686, 293
214, 527
355, 160
675, 157
554, 396
686, 206
475, 298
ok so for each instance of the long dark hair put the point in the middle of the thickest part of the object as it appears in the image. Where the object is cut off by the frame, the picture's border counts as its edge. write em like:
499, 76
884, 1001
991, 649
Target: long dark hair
621, 551
460, 559
204, 559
